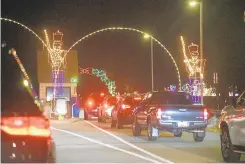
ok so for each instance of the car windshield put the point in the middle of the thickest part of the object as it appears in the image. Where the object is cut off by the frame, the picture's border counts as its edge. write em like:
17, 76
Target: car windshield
171, 98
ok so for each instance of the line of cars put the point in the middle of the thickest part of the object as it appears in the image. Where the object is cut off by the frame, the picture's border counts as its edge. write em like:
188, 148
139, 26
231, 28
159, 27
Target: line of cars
154, 112
174, 112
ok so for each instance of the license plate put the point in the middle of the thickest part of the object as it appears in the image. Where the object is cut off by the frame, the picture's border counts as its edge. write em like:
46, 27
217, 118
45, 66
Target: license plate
182, 124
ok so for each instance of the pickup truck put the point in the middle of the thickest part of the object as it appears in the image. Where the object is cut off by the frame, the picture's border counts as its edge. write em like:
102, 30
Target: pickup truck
172, 112
232, 128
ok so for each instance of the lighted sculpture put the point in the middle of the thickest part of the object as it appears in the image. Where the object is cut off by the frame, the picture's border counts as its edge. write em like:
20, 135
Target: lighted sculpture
193, 66
57, 60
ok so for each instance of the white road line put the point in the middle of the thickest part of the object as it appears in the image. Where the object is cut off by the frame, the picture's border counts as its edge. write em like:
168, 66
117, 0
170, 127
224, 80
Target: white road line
107, 145
132, 145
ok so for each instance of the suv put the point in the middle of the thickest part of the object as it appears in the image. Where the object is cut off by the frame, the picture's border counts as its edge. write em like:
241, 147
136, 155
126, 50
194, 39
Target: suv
91, 104
232, 126
122, 113
170, 111
105, 109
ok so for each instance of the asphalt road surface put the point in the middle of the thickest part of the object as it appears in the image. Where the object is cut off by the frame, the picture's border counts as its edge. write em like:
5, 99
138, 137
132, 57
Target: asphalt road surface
92, 142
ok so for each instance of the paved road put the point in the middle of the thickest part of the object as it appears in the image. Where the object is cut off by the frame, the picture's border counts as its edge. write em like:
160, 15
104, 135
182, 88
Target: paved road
80, 141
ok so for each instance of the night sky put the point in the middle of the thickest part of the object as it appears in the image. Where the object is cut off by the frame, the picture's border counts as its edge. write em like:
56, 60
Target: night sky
125, 55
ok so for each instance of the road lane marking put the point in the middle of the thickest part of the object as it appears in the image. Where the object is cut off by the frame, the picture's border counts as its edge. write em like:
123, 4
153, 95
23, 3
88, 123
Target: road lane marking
131, 145
107, 145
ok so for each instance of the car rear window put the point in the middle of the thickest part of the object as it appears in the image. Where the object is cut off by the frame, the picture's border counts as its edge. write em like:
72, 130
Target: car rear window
171, 98
15, 99
112, 100
130, 101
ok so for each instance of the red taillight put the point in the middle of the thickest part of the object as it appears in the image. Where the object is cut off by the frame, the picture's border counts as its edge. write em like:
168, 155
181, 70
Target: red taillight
32, 126
125, 106
205, 112
137, 98
159, 113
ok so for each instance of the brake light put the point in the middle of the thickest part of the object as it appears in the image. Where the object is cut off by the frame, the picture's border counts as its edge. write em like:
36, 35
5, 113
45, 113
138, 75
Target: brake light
159, 113
125, 106
137, 98
205, 112
23, 126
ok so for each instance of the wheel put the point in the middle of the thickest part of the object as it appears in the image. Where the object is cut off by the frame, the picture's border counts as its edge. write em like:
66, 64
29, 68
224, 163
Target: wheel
99, 118
178, 134
51, 159
150, 132
85, 115
199, 136
113, 123
119, 123
52, 155
227, 148
136, 128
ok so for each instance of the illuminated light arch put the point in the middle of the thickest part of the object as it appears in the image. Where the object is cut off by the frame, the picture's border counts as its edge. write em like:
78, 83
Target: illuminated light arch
134, 30
24, 26
103, 77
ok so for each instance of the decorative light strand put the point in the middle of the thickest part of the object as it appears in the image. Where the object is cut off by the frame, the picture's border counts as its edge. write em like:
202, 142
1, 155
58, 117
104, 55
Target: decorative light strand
103, 77
30, 86
134, 30
186, 60
56, 60
22, 25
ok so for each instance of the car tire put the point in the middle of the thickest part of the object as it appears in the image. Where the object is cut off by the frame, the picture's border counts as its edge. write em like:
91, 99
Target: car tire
99, 118
51, 159
227, 148
52, 155
178, 134
85, 115
119, 123
199, 136
150, 132
136, 128
113, 123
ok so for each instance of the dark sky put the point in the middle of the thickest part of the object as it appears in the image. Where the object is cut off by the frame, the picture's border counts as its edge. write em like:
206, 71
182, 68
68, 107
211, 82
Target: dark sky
124, 55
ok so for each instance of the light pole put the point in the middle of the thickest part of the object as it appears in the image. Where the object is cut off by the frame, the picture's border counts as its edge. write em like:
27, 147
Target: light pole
146, 36
194, 3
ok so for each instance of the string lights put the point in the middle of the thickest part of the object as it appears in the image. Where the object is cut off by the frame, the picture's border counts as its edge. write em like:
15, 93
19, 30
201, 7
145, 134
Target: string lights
193, 66
103, 77
27, 28
133, 30
27, 80
56, 57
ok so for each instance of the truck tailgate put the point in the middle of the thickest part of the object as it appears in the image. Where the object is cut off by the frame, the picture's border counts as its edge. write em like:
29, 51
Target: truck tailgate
182, 113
